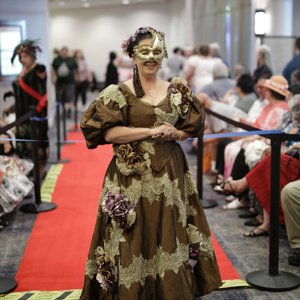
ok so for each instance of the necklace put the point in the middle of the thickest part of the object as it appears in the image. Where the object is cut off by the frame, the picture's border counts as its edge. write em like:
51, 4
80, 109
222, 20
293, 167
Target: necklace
150, 94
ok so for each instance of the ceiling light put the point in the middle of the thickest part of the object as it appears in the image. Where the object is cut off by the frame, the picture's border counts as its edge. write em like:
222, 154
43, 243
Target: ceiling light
260, 22
86, 4
62, 3
125, 2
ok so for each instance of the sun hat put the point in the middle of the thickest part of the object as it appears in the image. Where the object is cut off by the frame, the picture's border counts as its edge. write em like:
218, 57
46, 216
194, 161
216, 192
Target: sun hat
278, 84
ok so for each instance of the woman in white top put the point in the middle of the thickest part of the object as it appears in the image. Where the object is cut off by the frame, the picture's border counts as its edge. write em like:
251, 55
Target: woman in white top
199, 69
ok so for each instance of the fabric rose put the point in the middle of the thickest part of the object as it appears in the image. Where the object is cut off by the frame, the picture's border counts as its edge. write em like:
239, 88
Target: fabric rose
106, 270
180, 95
134, 158
119, 208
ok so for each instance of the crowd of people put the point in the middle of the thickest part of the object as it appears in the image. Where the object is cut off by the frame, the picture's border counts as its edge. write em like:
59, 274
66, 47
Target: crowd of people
264, 101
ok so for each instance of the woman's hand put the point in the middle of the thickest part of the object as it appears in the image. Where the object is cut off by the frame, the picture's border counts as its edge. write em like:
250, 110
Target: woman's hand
165, 132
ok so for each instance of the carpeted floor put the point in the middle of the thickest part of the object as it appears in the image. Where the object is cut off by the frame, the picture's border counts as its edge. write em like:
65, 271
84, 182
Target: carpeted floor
246, 254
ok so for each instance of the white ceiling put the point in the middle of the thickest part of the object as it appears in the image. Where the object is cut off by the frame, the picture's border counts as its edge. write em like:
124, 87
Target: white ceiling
80, 4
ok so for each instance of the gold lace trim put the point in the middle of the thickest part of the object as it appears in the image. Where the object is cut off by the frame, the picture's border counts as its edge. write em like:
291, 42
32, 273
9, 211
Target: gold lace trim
162, 116
112, 93
205, 244
152, 190
189, 190
140, 268
111, 247
90, 268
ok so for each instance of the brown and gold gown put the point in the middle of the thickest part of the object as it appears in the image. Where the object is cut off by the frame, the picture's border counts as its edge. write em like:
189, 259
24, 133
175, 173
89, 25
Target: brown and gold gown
151, 240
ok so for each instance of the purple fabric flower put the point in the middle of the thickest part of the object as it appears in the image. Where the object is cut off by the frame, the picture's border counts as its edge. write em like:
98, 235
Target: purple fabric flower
119, 208
194, 253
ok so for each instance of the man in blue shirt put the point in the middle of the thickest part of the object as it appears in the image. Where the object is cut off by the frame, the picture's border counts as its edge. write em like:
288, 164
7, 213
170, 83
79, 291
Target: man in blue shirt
294, 63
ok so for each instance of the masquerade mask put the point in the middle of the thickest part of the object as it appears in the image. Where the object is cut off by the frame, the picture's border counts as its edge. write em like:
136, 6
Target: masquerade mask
155, 51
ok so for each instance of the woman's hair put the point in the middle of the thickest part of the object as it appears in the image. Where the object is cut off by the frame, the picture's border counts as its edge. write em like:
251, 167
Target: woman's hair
112, 55
141, 34
277, 96
246, 83
294, 105
296, 75
204, 50
265, 51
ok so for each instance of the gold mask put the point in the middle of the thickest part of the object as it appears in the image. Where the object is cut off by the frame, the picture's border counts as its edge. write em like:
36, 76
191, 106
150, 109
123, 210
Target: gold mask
155, 51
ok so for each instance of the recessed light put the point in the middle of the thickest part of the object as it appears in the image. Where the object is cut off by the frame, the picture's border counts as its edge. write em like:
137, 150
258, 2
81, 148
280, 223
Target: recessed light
125, 2
86, 4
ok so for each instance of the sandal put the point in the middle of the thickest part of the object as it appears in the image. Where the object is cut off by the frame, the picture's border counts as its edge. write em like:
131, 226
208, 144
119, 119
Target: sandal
257, 232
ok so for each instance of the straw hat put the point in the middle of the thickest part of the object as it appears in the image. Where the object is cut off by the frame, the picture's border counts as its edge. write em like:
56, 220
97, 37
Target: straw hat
278, 84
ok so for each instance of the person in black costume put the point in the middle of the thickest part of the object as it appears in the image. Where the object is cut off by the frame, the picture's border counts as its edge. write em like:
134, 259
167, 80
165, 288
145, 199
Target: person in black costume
30, 89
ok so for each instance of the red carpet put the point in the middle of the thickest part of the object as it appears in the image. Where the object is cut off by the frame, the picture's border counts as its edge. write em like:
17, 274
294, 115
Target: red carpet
56, 252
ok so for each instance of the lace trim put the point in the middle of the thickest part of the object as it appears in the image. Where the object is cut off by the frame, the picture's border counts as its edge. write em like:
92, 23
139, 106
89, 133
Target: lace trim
112, 93
189, 190
152, 190
205, 244
141, 268
111, 247
91, 268
162, 116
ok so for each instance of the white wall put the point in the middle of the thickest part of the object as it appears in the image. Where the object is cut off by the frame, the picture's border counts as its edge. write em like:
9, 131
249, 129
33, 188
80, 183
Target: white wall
35, 14
99, 30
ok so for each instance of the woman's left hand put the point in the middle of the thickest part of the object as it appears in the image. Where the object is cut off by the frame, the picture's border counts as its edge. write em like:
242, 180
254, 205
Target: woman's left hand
169, 135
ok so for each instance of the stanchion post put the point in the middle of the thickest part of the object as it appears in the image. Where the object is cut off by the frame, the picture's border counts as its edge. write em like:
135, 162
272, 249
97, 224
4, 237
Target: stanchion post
58, 143
204, 202
64, 121
76, 129
273, 280
38, 206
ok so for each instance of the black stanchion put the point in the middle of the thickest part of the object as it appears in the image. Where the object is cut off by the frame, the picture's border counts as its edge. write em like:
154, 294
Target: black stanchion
58, 143
273, 280
206, 203
76, 127
7, 285
38, 206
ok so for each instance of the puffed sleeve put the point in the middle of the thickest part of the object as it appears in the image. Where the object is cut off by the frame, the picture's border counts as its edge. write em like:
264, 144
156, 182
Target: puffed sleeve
187, 106
194, 121
108, 110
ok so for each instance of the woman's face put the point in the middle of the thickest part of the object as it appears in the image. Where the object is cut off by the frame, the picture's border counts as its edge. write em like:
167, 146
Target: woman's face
26, 60
148, 57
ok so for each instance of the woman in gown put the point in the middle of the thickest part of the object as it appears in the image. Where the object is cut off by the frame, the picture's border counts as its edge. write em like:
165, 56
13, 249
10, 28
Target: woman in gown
151, 239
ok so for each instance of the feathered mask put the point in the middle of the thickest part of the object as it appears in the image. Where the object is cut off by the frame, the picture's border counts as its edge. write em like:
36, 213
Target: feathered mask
28, 46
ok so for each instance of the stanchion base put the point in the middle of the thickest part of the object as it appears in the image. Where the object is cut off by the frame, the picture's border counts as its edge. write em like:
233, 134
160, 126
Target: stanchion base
208, 203
60, 161
262, 280
7, 285
37, 208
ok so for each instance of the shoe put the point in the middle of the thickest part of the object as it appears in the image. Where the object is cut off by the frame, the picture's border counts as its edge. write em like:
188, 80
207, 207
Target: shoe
257, 232
248, 215
230, 198
294, 257
235, 204
252, 222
